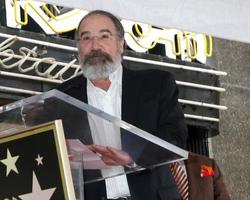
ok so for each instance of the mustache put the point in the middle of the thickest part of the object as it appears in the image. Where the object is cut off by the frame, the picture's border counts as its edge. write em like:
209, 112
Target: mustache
97, 53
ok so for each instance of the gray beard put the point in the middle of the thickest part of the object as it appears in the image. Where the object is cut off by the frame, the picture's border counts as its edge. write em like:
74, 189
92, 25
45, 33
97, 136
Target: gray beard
100, 70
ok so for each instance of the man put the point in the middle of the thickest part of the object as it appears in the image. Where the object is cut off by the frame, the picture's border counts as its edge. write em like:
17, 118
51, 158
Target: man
146, 99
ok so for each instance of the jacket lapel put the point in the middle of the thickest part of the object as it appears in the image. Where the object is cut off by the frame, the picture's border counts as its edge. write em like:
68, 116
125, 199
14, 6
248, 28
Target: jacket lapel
82, 85
130, 92
76, 88
199, 188
131, 143
194, 180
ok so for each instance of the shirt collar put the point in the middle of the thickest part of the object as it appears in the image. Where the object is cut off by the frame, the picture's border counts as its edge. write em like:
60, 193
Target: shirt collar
116, 76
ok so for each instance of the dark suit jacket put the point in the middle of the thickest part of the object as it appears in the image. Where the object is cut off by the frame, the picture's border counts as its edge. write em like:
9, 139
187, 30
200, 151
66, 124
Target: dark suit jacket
150, 102
205, 188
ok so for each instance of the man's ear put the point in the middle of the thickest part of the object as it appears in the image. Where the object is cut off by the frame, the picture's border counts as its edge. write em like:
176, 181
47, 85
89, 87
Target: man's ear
122, 45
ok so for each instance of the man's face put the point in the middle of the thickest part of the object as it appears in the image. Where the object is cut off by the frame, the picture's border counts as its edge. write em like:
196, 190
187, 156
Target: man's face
100, 47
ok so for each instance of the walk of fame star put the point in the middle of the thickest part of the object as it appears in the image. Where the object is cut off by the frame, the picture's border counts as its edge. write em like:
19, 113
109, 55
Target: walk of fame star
10, 163
37, 193
39, 160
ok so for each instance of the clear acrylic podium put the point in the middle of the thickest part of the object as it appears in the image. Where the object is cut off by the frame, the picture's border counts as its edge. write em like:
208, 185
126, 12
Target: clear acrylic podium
146, 150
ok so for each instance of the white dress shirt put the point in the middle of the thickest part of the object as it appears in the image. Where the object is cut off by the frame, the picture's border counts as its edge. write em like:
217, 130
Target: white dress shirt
105, 133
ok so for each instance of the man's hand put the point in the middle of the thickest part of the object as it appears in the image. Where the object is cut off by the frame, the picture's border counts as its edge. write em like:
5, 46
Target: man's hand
111, 156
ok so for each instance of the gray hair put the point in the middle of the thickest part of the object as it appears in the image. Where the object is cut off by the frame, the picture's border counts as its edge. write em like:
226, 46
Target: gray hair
114, 19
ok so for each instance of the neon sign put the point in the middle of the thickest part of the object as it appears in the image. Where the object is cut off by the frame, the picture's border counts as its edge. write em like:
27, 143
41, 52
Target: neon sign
140, 37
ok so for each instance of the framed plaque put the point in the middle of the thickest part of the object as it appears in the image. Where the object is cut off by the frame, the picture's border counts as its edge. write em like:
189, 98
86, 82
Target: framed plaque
34, 164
